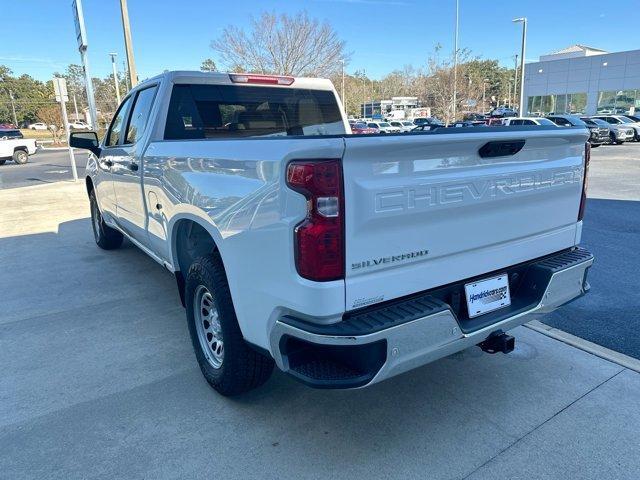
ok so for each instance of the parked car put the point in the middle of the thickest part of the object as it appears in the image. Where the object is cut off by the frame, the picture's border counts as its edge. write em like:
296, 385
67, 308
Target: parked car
527, 121
464, 123
430, 122
600, 131
504, 112
475, 117
621, 130
403, 125
622, 121
38, 126
383, 127
362, 128
17, 149
566, 120
313, 259
79, 125
9, 133
495, 121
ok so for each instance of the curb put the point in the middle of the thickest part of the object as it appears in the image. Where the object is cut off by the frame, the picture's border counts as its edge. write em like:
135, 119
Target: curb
585, 345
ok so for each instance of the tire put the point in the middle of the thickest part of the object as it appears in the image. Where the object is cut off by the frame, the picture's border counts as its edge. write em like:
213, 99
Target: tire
106, 237
2, 162
227, 362
20, 157
595, 145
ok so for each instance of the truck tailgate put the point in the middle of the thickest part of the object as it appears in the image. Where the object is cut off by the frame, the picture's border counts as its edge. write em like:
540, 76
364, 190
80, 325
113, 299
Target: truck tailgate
425, 210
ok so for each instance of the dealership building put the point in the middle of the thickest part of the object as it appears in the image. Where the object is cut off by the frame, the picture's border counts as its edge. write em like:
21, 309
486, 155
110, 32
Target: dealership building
586, 80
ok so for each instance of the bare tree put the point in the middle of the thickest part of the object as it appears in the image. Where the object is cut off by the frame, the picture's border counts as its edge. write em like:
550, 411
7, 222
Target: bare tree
51, 116
282, 44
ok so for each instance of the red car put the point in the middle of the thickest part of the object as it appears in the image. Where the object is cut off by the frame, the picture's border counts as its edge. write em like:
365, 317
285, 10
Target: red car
362, 128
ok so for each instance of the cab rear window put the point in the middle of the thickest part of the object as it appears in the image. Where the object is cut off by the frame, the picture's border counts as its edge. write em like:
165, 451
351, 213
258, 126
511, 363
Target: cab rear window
231, 111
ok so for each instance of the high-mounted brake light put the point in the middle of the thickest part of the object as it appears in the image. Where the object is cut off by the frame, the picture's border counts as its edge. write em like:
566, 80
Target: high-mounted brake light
585, 180
319, 238
260, 79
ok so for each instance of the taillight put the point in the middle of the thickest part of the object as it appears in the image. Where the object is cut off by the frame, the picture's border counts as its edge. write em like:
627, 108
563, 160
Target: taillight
319, 238
585, 180
260, 79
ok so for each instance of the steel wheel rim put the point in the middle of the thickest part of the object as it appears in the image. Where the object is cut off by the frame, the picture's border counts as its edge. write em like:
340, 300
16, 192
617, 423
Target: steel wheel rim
21, 156
208, 327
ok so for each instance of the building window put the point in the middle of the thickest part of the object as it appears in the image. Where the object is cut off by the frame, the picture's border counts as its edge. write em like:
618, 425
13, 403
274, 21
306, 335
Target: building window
561, 103
619, 102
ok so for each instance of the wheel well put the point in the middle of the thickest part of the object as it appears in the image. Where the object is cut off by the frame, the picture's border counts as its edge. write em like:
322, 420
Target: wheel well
20, 148
89, 183
192, 240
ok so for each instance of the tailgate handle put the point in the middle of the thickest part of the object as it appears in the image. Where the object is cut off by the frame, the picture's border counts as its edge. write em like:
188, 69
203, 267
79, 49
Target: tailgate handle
501, 148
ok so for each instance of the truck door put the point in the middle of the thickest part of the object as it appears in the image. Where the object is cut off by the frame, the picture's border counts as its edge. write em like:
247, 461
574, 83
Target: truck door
127, 171
110, 151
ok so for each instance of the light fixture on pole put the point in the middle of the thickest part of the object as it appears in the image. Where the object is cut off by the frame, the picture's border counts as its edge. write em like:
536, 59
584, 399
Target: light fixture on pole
116, 80
455, 61
522, 20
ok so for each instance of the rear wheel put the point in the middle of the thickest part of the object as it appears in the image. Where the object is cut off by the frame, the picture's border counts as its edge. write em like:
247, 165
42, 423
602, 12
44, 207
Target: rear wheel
20, 157
106, 237
227, 362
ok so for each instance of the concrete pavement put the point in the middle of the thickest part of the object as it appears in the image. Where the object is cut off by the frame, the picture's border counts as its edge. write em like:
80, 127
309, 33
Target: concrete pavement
98, 380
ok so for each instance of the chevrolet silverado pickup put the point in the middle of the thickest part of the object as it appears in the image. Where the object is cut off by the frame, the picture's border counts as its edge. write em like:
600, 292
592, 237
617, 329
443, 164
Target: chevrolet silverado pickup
342, 259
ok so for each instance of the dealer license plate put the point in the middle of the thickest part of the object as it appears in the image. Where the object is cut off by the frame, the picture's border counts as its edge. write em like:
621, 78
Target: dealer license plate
485, 296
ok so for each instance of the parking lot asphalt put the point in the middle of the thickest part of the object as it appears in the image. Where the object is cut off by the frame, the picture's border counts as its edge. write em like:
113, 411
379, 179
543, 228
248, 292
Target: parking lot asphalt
610, 314
46, 166
99, 381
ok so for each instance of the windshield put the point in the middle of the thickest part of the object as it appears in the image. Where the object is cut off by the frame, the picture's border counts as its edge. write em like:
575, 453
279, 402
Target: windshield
589, 122
600, 123
407, 124
625, 119
384, 124
359, 125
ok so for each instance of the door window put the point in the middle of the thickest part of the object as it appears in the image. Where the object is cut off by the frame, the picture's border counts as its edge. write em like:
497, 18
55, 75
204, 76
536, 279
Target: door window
140, 114
113, 135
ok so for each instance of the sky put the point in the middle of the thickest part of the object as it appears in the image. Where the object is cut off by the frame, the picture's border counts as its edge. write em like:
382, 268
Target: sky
38, 36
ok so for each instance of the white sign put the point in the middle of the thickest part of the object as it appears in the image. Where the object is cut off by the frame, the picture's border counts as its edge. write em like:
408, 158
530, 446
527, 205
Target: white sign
60, 89
488, 295
78, 20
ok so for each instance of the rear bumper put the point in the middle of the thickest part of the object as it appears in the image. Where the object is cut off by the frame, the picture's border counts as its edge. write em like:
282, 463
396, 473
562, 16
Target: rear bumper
380, 342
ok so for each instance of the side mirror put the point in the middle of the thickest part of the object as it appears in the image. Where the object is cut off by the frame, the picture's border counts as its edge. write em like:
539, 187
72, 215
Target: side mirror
86, 140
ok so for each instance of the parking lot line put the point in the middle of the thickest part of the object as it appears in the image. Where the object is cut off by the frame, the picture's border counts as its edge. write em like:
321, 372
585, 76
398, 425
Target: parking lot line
585, 345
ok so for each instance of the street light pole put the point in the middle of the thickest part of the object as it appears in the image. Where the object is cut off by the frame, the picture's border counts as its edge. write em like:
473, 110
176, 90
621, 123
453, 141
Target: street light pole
515, 79
522, 20
13, 109
484, 95
133, 77
115, 75
455, 62
344, 103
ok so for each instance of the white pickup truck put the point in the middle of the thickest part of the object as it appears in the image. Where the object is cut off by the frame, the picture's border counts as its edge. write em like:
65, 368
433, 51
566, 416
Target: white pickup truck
16, 149
343, 259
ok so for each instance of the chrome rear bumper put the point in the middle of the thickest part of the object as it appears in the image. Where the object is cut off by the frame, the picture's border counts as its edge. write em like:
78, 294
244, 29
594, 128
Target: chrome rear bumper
364, 350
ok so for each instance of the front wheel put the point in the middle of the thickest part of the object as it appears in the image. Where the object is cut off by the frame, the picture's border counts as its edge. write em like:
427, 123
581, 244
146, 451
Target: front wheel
227, 362
106, 237
20, 157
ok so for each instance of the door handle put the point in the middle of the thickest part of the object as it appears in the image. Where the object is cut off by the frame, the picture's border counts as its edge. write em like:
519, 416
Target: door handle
133, 166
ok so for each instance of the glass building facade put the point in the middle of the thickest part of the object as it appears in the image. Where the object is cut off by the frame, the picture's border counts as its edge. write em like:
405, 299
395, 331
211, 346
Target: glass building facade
575, 103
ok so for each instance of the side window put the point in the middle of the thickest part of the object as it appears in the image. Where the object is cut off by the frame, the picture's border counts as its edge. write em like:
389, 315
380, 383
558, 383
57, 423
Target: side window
113, 135
515, 122
528, 122
140, 114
